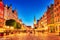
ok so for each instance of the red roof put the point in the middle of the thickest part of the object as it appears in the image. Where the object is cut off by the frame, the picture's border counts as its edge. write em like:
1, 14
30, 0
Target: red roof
29, 26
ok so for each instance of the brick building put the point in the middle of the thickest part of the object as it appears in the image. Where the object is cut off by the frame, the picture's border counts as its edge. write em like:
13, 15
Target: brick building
53, 17
1, 13
6, 13
50, 18
42, 22
57, 15
9, 13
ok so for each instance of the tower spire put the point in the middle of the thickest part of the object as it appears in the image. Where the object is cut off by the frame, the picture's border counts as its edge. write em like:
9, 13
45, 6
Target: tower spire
35, 24
34, 20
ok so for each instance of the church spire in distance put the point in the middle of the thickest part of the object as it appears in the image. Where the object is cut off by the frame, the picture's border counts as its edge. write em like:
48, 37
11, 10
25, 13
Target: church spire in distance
34, 20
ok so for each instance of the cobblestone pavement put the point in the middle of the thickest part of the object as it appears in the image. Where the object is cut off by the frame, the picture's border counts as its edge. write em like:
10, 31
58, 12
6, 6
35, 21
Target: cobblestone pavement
32, 37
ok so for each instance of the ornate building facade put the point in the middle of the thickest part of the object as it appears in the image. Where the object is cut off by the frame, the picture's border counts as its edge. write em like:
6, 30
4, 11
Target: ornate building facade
42, 23
1, 13
9, 13
52, 17
57, 15
6, 13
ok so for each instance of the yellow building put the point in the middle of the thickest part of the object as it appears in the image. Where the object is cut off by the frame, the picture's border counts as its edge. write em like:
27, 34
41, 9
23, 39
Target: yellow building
42, 23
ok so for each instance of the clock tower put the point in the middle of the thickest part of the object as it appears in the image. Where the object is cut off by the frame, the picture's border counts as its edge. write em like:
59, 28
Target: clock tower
35, 25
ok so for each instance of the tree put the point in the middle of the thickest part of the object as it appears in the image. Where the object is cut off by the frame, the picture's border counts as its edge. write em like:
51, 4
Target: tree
10, 22
18, 26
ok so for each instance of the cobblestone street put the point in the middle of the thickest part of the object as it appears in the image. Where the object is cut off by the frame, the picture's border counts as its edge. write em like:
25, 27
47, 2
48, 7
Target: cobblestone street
32, 37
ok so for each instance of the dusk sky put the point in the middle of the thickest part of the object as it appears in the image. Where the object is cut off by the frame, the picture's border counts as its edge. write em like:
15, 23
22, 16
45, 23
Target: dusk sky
27, 9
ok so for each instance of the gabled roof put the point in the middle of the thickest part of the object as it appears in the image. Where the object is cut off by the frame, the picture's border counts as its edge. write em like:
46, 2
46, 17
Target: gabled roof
28, 26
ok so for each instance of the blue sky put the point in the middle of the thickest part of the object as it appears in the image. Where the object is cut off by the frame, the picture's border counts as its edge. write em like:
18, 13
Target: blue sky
27, 9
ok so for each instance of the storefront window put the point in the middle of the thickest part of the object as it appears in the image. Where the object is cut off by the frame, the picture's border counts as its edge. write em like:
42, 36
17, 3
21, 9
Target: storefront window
58, 20
56, 28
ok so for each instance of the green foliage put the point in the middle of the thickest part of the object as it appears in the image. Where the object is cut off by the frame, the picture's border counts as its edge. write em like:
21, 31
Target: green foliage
18, 26
10, 22
13, 23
